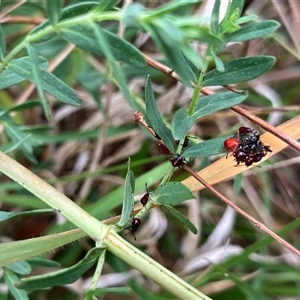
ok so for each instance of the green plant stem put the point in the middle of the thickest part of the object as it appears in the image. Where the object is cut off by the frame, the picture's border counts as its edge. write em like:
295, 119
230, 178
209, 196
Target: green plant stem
197, 88
97, 230
52, 197
12, 252
39, 35
98, 272
152, 269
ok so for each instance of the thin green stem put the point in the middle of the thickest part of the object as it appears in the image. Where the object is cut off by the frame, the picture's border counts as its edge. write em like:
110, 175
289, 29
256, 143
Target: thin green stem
97, 230
53, 198
196, 92
167, 175
98, 271
197, 88
87, 18
35, 37
152, 269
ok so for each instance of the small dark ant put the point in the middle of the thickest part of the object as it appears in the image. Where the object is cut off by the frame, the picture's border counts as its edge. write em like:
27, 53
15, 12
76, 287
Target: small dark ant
186, 142
135, 224
177, 161
163, 149
144, 200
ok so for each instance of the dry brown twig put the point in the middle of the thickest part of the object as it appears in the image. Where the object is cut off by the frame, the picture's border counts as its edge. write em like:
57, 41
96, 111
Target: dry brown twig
255, 222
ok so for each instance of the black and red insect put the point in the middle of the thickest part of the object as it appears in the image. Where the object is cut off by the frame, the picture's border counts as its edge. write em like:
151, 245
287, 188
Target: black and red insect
177, 161
144, 200
231, 144
135, 224
246, 147
163, 149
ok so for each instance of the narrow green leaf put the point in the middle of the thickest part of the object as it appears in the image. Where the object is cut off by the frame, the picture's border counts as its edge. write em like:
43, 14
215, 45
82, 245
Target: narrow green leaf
214, 20
80, 8
54, 10
237, 184
173, 54
181, 218
11, 279
2, 44
181, 124
172, 193
41, 262
91, 79
131, 14
70, 11
62, 277
9, 78
83, 36
36, 73
22, 107
194, 60
128, 200
132, 181
218, 61
239, 70
200, 33
170, 6
50, 83
155, 118
206, 148
6, 215
112, 199
120, 80
234, 10
169, 30
21, 267
18, 144
253, 31
124, 291
209, 104
18, 137
245, 19
30, 213
20, 250
102, 5
58, 89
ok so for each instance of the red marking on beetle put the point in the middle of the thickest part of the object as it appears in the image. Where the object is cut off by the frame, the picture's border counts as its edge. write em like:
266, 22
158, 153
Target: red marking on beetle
231, 145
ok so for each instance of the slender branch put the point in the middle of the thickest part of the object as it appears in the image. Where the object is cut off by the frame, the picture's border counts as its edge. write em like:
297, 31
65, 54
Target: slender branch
281, 135
151, 268
241, 212
138, 117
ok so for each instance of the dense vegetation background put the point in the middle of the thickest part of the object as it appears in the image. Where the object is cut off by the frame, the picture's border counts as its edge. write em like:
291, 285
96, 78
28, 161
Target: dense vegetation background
79, 134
